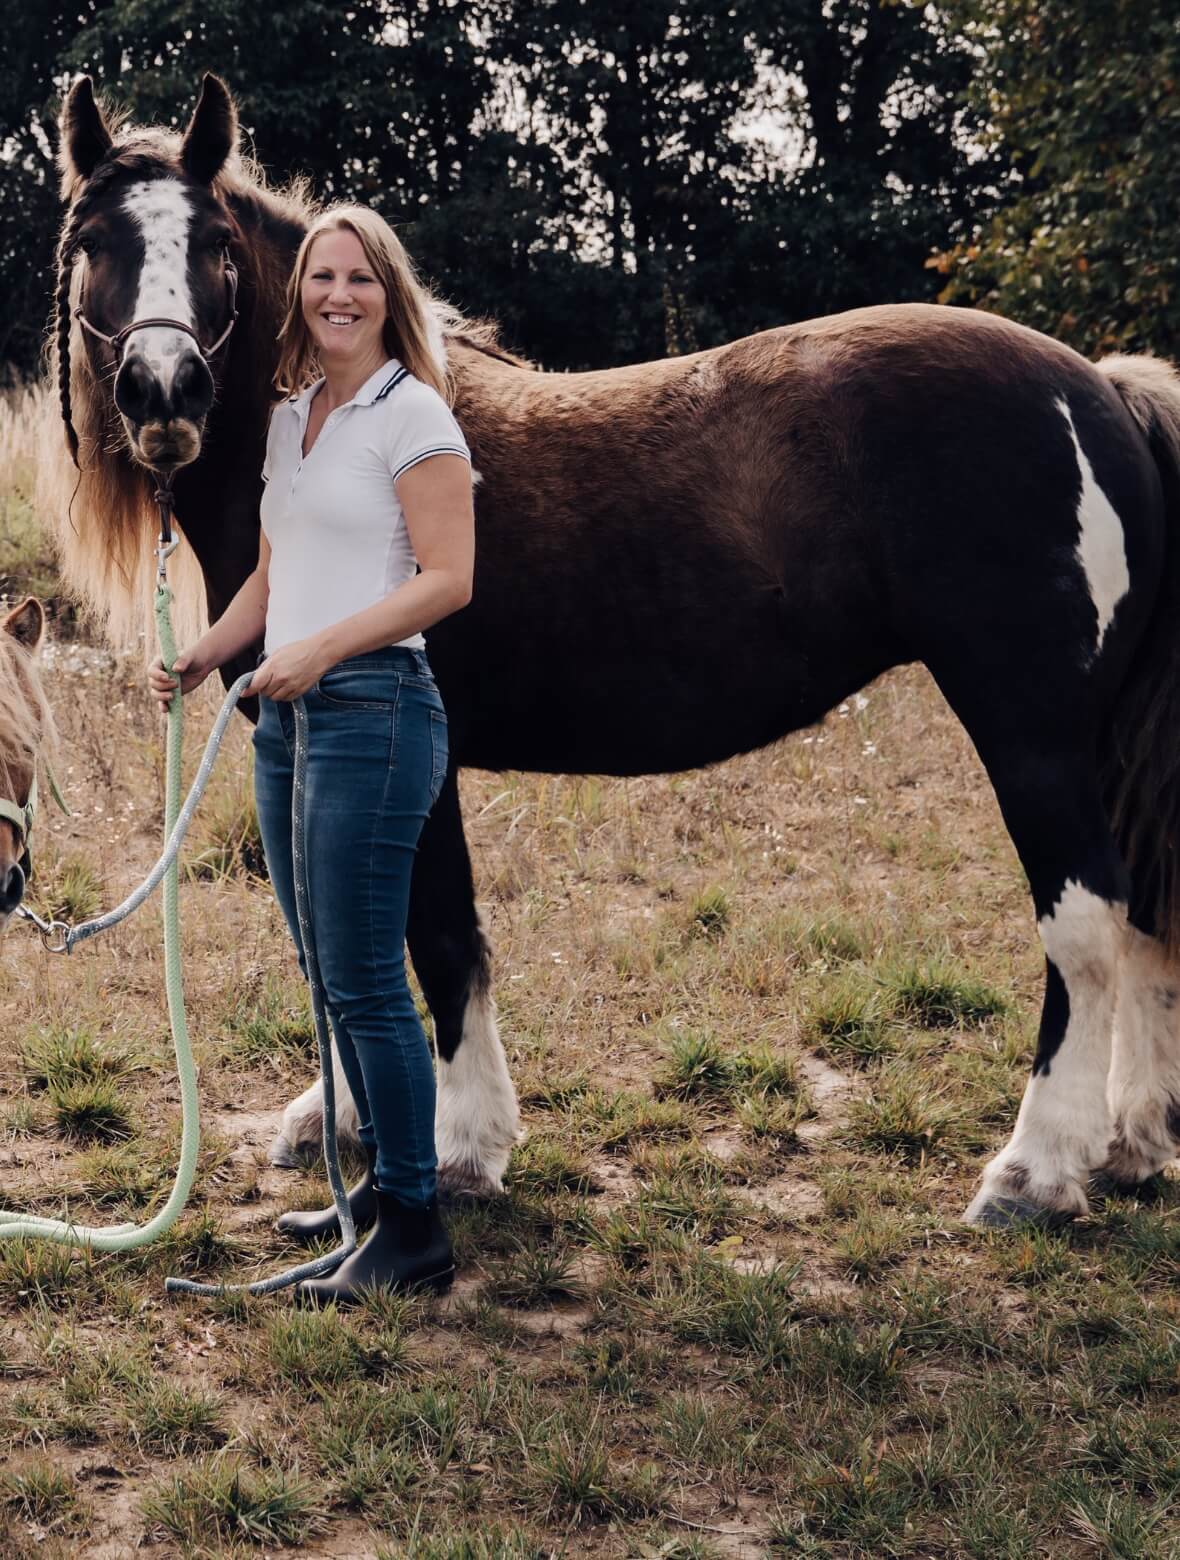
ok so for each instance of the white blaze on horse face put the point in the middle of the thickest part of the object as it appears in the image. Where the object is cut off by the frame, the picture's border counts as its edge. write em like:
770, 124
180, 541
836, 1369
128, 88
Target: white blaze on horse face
1101, 547
163, 212
1063, 1129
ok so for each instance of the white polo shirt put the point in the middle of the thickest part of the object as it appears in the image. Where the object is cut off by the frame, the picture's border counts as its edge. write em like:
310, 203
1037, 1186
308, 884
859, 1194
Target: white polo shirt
337, 534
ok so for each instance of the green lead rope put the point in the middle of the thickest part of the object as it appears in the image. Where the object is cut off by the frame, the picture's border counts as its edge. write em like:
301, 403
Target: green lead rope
126, 1237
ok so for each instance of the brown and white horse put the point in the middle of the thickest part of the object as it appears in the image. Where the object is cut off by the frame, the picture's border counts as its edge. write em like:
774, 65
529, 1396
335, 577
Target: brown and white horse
687, 559
26, 730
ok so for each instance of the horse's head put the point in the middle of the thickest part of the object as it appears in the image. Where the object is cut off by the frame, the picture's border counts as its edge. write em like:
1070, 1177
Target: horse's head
25, 727
151, 239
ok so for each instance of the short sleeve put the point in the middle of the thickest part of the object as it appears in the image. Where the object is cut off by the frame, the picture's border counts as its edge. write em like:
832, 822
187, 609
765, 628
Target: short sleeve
421, 424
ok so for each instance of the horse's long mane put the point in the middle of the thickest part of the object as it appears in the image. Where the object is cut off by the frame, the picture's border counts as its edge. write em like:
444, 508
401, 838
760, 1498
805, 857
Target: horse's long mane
26, 721
101, 512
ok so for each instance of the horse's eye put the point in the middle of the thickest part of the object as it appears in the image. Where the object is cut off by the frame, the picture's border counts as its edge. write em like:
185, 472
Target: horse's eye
88, 244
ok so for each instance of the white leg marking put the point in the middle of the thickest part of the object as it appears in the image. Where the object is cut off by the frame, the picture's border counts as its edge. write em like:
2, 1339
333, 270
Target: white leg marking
1144, 1090
1101, 547
1063, 1129
302, 1130
477, 1121
163, 213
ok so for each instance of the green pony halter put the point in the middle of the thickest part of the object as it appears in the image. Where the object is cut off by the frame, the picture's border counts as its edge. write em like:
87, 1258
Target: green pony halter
21, 819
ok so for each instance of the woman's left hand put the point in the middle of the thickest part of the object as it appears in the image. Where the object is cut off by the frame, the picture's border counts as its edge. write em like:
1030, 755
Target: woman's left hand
290, 671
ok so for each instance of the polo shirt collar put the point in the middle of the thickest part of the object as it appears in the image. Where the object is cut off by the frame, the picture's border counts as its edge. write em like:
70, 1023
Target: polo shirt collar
374, 388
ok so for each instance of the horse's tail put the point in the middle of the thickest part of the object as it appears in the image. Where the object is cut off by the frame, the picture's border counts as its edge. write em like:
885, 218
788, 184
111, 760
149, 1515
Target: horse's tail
1141, 749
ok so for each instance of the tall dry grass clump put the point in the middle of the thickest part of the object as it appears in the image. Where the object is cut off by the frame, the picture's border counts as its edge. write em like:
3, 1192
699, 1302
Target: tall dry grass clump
114, 587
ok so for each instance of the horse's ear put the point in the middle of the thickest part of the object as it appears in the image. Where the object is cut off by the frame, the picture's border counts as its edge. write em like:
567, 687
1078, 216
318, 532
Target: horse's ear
212, 132
26, 623
85, 139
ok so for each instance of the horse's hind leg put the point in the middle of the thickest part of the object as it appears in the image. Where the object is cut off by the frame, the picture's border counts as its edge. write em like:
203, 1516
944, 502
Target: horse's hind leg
1144, 1092
1053, 809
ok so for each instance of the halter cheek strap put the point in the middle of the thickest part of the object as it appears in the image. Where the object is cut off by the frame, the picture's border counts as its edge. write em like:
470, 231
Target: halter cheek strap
21, 819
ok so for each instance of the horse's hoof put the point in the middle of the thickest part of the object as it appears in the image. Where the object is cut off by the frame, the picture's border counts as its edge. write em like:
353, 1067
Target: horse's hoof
283, 1156
466, 1182
998, 1212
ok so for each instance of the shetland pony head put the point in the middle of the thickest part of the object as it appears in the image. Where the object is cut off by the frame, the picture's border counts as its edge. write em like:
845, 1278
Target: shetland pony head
147, 238
26, 730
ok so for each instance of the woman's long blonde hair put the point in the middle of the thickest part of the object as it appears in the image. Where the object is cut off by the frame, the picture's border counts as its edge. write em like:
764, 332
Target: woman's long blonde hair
411, 334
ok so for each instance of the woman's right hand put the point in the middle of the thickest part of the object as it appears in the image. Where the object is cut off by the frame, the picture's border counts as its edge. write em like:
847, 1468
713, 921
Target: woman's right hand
191, 674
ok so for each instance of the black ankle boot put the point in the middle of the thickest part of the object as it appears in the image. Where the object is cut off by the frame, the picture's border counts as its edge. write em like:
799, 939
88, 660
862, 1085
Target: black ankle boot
307, 1228
408, 1249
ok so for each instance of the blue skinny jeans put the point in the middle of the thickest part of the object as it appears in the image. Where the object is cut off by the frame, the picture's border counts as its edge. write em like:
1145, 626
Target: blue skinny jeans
377, 757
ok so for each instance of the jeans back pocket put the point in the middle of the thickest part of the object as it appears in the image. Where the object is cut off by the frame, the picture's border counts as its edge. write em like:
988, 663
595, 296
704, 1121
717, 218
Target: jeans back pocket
440, 753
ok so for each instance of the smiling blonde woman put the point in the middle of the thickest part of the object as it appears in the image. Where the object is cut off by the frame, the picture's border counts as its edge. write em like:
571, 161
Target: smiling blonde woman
367, 539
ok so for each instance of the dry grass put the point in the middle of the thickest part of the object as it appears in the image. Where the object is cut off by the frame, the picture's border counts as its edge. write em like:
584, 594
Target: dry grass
767, 1019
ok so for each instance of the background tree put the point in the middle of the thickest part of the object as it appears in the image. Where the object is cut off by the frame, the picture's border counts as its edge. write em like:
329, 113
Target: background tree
1085, 97
611, 181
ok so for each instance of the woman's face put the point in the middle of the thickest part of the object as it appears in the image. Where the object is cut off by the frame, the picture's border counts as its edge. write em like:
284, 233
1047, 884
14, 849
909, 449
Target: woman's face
343, 302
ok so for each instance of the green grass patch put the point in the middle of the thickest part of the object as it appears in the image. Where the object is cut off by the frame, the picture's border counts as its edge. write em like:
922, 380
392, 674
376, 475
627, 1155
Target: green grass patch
172, 1420
542, 1165
68, 889
935, 995
220, 1501
697, 1067
43, 1272
41, 1492
89, 1111
540, 1274
272, 1027
58, 1057
900, 1116
849, 1024
313, 1348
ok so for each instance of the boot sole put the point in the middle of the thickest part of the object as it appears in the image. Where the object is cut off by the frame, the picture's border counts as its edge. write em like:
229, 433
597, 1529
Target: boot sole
435, 1283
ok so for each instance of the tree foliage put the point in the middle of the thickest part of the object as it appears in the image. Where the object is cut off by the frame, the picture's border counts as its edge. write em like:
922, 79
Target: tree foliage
1085, 97
612, 180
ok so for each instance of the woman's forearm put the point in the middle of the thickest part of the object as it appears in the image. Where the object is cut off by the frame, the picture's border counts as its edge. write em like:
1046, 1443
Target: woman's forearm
412, 607
242, 624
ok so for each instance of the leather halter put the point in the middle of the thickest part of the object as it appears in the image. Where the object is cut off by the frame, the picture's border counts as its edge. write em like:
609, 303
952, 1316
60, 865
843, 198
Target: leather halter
119, 340
21, 819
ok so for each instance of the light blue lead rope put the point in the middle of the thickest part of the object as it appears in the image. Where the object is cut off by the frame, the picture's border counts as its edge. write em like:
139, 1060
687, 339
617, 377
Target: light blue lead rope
60, 938
326, 1264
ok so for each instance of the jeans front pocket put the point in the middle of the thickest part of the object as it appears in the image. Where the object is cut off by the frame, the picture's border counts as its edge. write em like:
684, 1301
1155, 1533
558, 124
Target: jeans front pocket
358, 688
440, 753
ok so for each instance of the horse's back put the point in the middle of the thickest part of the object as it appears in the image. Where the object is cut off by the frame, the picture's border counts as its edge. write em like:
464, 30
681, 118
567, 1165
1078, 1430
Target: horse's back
767, 525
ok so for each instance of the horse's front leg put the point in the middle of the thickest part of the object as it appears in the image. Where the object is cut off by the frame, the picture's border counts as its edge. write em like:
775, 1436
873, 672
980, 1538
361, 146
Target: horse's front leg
477, 1119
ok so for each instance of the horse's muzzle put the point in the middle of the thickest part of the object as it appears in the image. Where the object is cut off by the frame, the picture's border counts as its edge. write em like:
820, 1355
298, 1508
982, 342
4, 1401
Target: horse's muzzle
148, 399
166, 445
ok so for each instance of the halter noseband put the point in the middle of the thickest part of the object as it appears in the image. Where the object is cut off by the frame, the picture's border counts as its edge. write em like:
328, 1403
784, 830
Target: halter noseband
119, 340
